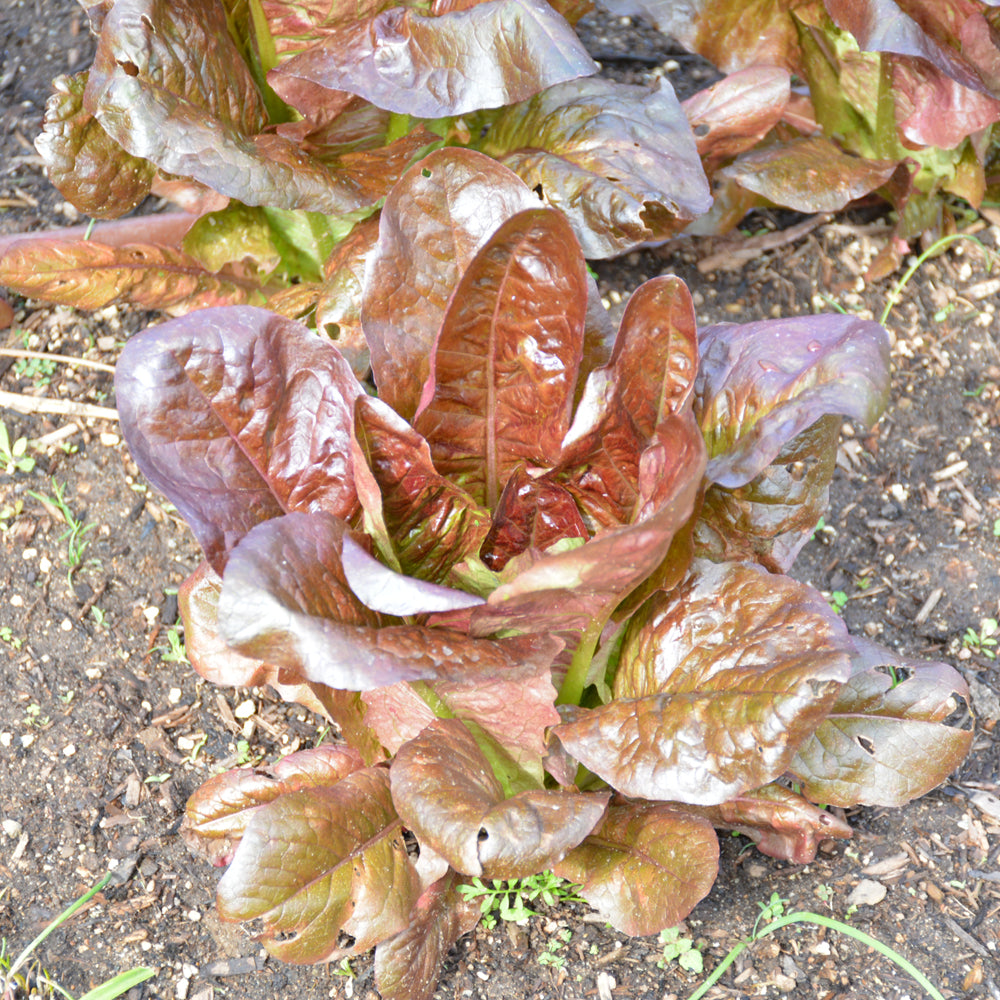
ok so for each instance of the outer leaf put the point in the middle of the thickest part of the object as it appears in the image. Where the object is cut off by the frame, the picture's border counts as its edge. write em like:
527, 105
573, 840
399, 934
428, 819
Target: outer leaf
217, 815
775, 514
407, 966
83, 162
577, 590
649, 377
389, 592
515, 713
91, 275
734, 114
886, 743
718, 684
432, 524
619, 161
492, 54
218, 662
432, 224
645, 867
762, 383
295, 25
782, 824
445, 791
238, 416
317, 863
285, 599
810, 174
505, 365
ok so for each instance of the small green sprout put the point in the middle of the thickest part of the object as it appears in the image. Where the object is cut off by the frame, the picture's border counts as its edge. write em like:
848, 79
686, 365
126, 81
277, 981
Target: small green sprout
175, 652
344, 969
7, 636
508, 898
984, 641
550, 955
837, 600
76, 544
681, 950
13, 457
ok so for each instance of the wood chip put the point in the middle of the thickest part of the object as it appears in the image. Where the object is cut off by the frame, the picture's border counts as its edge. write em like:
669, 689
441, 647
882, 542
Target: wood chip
949, 471
929, 605
867, 892
887, 866
65, 407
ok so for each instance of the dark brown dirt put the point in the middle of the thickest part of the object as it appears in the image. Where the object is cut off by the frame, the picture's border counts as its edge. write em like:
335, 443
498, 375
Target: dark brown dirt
102, 737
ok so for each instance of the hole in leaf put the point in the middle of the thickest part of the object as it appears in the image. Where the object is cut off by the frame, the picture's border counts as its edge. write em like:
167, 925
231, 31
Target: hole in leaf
149, 24
130, 68
539, 190
702, 130
425, 172
866, 745
332, 330
484, 834
896, 674
345, 941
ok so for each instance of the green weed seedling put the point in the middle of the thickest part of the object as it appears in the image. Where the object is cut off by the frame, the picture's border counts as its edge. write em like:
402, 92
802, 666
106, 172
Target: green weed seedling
550, 954
838, 601
13, 457
175, 652
508, 898
76, 543
772, 917
7, 636
13, 981
983, 642
682, 950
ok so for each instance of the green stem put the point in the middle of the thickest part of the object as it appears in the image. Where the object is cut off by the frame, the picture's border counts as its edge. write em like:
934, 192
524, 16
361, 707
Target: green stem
571, 692
805, 917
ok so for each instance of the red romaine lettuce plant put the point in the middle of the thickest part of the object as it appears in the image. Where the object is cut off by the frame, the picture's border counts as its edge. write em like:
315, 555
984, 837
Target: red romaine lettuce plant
281, 126
536, 582
901, 96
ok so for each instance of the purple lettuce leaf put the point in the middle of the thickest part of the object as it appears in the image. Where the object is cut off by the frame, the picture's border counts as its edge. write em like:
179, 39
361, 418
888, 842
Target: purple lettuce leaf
808, 174
619, 161
321, 862
770, 518
407, 966
238, 416
760, 384
89, 274
576, 590
734, 114
445, 792
531, 514
718, 683
285, 599
217, 815
515, 713
432, 526
649, 376
645, 867
88, 167
889, 737
782, 824
388, 592
489, 55
504, 368
432, 224
295, 27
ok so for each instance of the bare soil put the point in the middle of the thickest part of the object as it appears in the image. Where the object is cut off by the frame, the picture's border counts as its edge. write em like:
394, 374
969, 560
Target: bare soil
103, 736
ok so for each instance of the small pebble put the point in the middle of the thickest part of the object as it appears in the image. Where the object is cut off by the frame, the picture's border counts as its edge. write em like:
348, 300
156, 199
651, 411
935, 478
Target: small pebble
245, 709
12, 828
66, 625
69, 750
867, 892
109, 440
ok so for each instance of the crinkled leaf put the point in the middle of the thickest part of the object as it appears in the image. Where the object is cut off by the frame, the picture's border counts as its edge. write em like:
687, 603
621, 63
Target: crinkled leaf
620, 161
775, 514
762, 383
386, 591
88, 167
782, 824
432, 224
532, 513
809, 174
515, 713
645, 867
91, 275
217, 815
491, 54
285, 600
578, 589
407, 966
323, 862
718, 683
238, 415
505, 364
446, 792
433, 526
295, 25
734, 114
888, 738
650, 376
